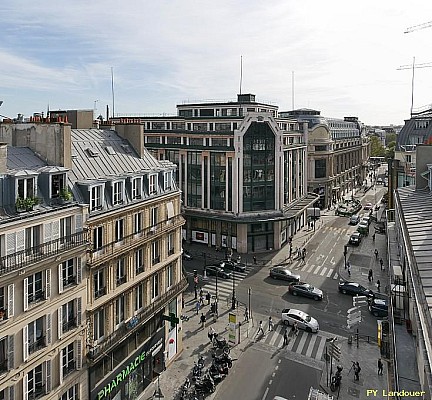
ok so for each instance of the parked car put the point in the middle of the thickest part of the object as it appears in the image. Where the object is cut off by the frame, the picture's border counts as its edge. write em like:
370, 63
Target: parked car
186, 255
363, 228
366, 219
354, 289
355, 219
284, 274
213, 270
368, 206
306, 290
355, 238
304, 321
232, 265
379, 181
378, 307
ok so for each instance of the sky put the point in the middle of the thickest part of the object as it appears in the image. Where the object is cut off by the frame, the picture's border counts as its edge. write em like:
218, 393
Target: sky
339, 57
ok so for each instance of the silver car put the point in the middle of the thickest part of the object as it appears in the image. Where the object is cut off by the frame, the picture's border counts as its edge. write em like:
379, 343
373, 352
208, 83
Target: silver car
304, 321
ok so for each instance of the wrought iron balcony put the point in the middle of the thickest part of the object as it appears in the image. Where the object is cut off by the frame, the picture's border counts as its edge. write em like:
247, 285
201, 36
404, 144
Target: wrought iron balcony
155, 260
171, 251
36, 345
38, 392
36, 297
69, 367
24, 258
69, 325
121, 280
125, 330
100, 292
69, 281
139, 269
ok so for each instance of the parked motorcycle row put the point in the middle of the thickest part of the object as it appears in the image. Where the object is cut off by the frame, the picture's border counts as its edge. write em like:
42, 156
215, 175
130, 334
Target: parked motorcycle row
204, 380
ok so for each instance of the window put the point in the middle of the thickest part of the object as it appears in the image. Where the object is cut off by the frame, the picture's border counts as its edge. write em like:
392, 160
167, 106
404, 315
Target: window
37, 382
96, 198
139, 261
58, 182
34, 336
137, 223
117, 193
155, 252
34, 288
153, 184
99, 324
67, 274
71, 394
155, 286
170, 244
167, 180
320, 168
136, 188
119, 230
69, 316
153, 217
68, 362
97, 238
121, 272
170, 275
120, 310
4, 354
321, 148
26, 187
139, 297
99, 283
5, 309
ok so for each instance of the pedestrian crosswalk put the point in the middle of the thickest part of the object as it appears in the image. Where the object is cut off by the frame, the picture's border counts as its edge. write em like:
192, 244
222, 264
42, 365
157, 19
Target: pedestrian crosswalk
311, 345
315, 269
224, 287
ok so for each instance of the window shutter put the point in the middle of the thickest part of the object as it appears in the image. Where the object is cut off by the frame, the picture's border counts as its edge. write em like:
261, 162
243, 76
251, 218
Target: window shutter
25, 387
10, 243
11, 306
60, 277
79, 307
47, 232
61, 366
48, 375
78, 223
20, 240
25, 294
47, 283
170, 210
55, 230
48, 328
79, 270
78, 347
11, 392
25, 343
11, 352
60, 322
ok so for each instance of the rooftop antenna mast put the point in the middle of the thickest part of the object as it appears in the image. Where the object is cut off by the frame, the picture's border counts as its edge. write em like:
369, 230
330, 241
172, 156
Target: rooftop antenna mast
241, 73
112, 90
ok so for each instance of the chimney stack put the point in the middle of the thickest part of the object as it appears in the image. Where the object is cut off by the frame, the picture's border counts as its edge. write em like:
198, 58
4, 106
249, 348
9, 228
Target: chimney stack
3, 158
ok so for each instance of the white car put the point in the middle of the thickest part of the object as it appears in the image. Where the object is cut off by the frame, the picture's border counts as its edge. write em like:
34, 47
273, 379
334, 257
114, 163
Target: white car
304, 321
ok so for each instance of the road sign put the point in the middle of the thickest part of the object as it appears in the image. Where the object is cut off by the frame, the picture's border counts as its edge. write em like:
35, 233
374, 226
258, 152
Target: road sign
353, 316
359, 300
335, 351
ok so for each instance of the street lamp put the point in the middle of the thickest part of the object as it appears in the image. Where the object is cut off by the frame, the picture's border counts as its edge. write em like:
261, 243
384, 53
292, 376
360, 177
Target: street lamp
233, 299
158, 393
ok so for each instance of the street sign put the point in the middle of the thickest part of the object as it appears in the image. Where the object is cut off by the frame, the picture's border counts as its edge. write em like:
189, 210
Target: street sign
353, 316
359, 300
334, 350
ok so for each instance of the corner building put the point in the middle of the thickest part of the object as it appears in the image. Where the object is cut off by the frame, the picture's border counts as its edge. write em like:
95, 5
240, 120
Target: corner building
242, 171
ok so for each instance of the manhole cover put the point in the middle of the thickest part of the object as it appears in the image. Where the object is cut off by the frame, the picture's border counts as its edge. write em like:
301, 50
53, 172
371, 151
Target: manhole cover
354, 392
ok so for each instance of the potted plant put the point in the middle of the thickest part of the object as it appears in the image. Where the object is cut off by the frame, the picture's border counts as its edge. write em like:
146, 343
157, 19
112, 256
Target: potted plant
20, 204
65, 195
30, 202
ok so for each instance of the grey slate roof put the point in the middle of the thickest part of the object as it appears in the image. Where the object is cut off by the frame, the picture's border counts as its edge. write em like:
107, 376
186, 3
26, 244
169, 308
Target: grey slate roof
22, 158
417, 211
123, 161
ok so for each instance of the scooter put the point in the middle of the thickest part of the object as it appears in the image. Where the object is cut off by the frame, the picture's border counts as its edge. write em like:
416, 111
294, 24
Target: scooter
222, 359
219, 343
196, 371
336, 379
205, 385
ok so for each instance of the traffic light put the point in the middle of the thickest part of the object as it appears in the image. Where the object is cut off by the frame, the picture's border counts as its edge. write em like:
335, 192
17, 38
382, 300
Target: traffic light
359, 301
353, 316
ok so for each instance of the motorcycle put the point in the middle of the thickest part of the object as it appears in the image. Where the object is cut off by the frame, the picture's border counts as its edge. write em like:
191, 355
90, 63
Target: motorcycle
196, 371
336, 379
219, 369
185, 389
205, 385
223, 359
219, 343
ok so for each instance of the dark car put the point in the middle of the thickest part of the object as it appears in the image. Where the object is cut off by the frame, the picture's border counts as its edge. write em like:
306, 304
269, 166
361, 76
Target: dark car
306, 290
378, 307
354, 289
186, 255
284, 274
213, 270
355, 238
232, 265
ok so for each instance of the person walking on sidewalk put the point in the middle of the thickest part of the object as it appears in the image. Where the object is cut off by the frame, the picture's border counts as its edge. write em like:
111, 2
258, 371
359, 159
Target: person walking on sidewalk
373, 237
254, 260
378, 285
197, 307
381, 264
370, 275
270, 327
376, 254
285, 342
208, 298
380, 366
246, 315
349, 269
357, 370
210, 334
260, 328
202, 320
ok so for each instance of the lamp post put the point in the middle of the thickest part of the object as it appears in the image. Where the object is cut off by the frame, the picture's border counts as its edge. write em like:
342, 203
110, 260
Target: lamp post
158, 393
249, 303
233, 299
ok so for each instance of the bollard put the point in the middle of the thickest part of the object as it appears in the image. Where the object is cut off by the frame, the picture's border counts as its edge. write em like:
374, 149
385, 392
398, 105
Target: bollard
350, 339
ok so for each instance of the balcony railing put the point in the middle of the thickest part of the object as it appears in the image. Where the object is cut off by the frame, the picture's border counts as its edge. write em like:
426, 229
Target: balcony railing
102, 253
23, 258
36, 297
121, 280
100, 292
171, 252
155, 260
38, 392
124, 330
3, 365
69, 367
139, 269
69, 325
36, 345
69, 281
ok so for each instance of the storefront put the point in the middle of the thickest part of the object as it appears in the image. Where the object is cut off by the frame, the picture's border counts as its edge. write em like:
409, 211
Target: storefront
134, 374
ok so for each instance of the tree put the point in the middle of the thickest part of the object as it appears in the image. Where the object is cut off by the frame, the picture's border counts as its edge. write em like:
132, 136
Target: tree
390, 137
377, 149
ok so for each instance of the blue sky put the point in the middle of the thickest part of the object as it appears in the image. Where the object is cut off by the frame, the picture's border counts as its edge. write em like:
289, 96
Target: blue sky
344, 55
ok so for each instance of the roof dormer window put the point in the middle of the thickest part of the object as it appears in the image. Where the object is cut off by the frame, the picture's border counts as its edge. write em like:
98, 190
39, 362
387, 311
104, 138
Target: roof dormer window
153, 181
117, 192
26, 187
136, 188
167, 180
96, 198
58, 183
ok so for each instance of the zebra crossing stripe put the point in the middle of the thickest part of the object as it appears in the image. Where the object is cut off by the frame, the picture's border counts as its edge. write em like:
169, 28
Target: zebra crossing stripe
305, 266
301, 342
317, 269
275, 335
321, 348
323, 271
311, 268
335, 276
311, 345
329, 273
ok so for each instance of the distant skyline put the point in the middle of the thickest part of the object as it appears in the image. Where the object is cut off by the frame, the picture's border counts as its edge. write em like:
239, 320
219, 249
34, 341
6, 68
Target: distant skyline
345, 55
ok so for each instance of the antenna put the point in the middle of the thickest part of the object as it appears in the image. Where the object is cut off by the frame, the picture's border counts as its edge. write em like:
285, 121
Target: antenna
112, 89
241, 73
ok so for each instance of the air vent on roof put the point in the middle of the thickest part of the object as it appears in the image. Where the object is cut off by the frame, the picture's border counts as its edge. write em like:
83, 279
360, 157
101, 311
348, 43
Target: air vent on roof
126, 148
110, 150
92, 152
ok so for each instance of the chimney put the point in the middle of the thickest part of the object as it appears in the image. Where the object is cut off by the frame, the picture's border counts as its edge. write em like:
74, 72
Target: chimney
3, 158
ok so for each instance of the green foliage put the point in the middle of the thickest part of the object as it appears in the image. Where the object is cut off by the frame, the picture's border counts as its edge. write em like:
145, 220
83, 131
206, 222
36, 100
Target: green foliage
26, 204
65, 194
391, 137
377, 149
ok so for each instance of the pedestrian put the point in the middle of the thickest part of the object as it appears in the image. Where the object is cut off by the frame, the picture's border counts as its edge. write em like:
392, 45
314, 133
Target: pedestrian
260, 328
303, 259
201, 300
285, 342
349, 269
381, 264
202, 320
357, 370
295, 328
304, 252
196, 293
197, 307
254, 260
210, 334
208, 298
183, 302
299, 252
370, 275
270, 327
376, 254
201, 293
239, 259
380, 366
246, 315
378, 285
373, 237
